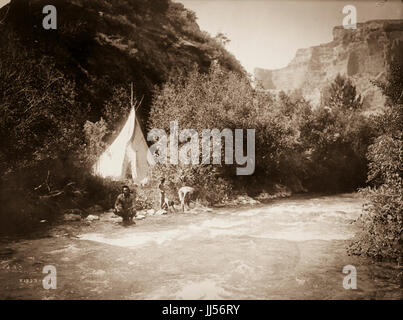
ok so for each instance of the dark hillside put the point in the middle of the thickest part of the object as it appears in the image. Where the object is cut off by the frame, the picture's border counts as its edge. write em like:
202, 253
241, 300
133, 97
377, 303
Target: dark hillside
100, 44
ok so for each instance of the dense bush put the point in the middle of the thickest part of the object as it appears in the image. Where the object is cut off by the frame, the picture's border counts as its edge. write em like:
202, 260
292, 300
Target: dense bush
381, 234
335, 137
382, 221
47, 146
206, 178
40, 130
222, 100
324, 148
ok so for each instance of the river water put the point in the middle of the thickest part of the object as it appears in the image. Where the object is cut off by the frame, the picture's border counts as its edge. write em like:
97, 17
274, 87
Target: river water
291, 248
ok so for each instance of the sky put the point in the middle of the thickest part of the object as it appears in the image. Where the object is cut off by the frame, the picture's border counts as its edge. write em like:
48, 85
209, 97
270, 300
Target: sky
267, 33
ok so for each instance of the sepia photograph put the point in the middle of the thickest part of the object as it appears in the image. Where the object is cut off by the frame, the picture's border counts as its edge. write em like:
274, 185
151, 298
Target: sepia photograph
187, 150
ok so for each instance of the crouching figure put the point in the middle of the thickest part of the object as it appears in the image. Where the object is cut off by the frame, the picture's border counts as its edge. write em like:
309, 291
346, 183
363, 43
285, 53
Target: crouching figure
125, 205
186, 194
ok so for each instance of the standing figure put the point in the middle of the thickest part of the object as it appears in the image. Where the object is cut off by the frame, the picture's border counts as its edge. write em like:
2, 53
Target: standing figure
185, 195
162, 190
125, 205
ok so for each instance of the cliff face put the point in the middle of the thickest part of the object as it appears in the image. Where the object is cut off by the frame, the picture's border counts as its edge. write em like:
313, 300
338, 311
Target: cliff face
362, 54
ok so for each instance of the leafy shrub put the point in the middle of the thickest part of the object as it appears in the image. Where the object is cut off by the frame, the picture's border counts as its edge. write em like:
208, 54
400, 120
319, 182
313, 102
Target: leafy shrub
221, 100
335, 137
40, 126
146, 197
95, 143
381, 234
212, 188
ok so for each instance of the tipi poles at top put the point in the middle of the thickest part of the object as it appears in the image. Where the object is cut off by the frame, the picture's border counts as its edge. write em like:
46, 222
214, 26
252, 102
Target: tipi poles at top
132, 98
131, 94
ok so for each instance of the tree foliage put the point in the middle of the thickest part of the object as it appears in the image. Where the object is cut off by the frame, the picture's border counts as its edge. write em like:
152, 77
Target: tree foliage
335, 136
381, 234
222, 100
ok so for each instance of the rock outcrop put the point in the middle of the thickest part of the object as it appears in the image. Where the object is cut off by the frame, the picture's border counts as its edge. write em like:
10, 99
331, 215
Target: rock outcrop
363, 54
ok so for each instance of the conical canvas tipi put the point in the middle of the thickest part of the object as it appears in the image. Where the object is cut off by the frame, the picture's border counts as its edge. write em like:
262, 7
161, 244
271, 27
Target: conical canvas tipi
127, 155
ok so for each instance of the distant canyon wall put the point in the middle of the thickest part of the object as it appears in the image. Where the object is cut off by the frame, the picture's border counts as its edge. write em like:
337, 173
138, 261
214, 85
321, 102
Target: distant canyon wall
363, 54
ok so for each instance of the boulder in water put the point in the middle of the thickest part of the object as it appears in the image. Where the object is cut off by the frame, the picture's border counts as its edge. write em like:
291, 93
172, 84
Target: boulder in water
92, 217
